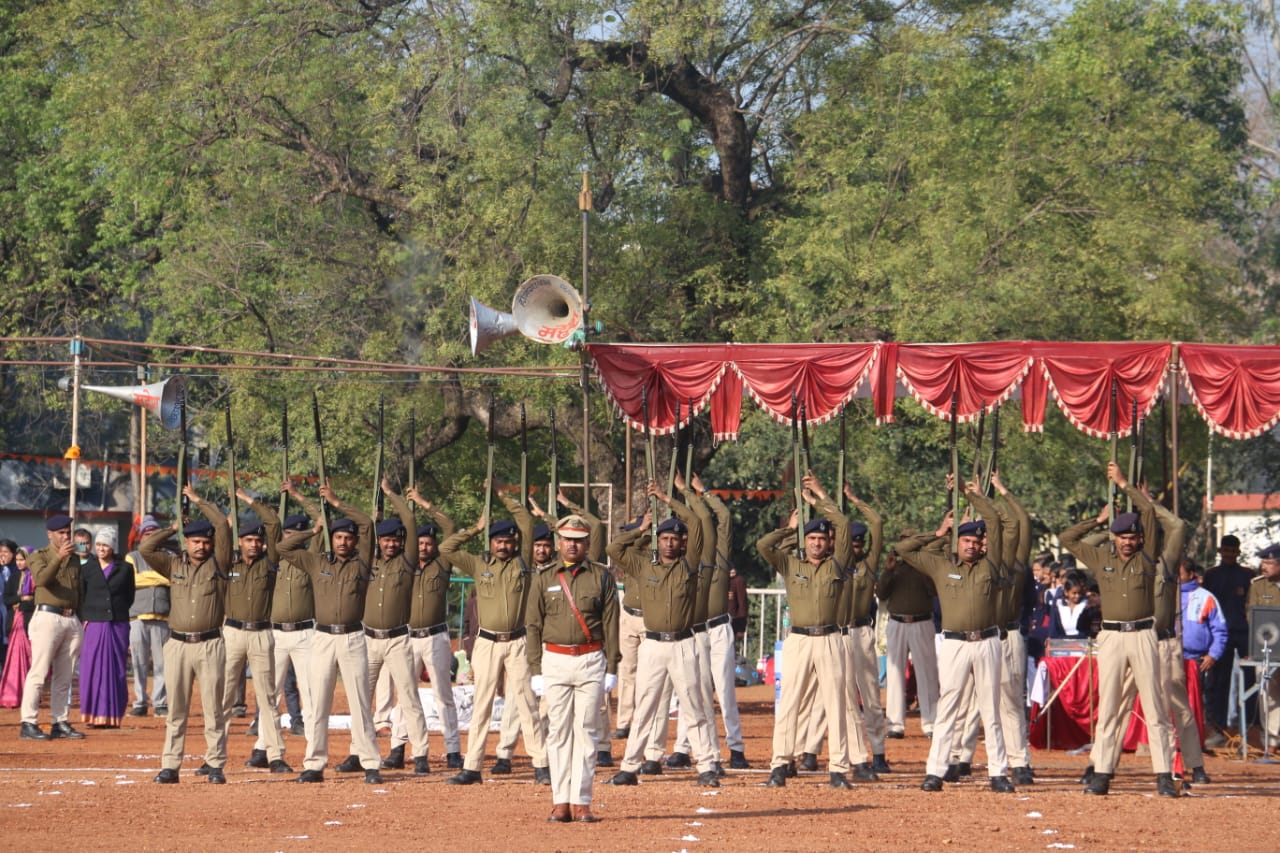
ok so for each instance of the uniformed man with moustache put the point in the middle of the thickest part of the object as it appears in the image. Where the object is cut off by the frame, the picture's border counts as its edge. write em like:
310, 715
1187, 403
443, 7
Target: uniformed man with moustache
668, 586
502, 579
968, 585
339, 581
55, 632
573, 652
388, 600
429, 634
246, 627
195, 649
815, 648
1130, 579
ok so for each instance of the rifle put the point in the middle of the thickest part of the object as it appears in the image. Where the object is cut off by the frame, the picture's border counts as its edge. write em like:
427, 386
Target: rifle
488, 478
413, 449
840, 473
688, 447
797, 474
378, 497
284, 460
1142, 450
675, 455
1115, 429
652, 473
995, 451
184, 474
324, 478
953, 493
524, 458
1133, 454
554, 486
231, 470
977, 448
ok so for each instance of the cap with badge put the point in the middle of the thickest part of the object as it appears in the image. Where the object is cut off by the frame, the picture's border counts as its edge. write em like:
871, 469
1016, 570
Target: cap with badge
542, 533
673, 525
817, 525
57, 522
1126, 522
427, 530
390, 527
251, 525
972, 528
633, 524
343, 525
1271, 552
502, 528
296, 522
857, 530
573, 527
199, 529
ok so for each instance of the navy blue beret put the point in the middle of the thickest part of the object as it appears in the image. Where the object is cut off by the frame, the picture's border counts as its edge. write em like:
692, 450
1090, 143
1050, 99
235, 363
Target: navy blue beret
542, 533
1127, 522
817, 525
502, 528
200, 529
58, 522
343, 525
857, 530
1271, 552
972, 528
390, 527
673, 525
427, 530
296, 522
633, 524
251, 525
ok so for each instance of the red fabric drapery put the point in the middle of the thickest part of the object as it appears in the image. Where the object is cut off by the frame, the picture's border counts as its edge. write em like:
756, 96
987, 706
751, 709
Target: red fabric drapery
1235, 388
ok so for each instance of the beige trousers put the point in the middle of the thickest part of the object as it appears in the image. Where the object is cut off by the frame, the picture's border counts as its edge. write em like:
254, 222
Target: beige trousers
806, 660
573, 693
185, 663
630, 635
292, 646
257, 648
331, 655
916, 639
1136, 652
659, 661
491, 661
435, 656
55, 649
395, 657
960, 661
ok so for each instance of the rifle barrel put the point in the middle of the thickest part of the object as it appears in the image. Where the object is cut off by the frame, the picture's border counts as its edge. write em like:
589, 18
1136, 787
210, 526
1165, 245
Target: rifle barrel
231, 471
327, 542
284, 460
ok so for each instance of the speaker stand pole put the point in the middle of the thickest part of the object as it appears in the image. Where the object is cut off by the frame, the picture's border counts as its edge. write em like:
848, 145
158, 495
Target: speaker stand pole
1266, 707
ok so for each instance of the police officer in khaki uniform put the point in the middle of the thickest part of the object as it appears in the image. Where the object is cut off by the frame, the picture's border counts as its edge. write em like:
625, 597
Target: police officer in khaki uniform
573, 652
815, 648
55, 632
339, 580
668, 585
968, 586
1129, 579
630, 636
1264, 591
293, 625
502, 579
195, 649
429, 634
907, 596
246, 628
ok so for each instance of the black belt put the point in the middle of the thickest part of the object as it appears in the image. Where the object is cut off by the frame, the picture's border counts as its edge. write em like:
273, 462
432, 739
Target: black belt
700, 628
863, 622
717, 621
1166, 633
423, 633
386, 633
972, 636
634, 611
246, 626
61, 611
844, 630
1004, 632
303, 625
668, 636
1015, 625
501, 636
815, 631
198, 637
909, 618
349, 628
1128, 627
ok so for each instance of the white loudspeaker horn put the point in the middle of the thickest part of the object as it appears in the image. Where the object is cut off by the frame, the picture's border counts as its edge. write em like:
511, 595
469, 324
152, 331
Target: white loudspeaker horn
488, 324
547, 309
163, 399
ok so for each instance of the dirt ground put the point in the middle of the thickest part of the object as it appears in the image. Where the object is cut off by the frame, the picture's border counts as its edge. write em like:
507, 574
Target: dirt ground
97, 794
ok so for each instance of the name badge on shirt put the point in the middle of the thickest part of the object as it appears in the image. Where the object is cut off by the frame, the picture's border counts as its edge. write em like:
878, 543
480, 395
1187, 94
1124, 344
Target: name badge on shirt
555, 588
326, 573
234, 575
1108, 568
955, 577
802, 577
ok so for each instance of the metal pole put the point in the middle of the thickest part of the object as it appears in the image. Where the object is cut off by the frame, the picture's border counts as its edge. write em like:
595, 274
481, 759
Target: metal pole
1172, 379
142, 448
584, 205
77, 348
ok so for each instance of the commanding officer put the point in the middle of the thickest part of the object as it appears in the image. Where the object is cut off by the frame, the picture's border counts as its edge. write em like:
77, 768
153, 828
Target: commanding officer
338, 582
1264, 591
502, 578
669, 589
387, 604
1130, 580
967, 585
195, 649
429, 635
908, 596
247, 627
814, 648
55, 632
573, 651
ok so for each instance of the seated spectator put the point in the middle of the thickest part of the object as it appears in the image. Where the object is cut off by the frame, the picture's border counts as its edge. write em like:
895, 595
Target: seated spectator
1074, 617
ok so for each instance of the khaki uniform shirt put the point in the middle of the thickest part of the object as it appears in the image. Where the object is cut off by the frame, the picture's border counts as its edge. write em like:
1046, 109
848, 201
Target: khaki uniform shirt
501, 585
197, 594
813, 589
718, 595
430, 605
1263, 592
57, 581
552, 620
249, 587
338, 586
668, 591
389, 597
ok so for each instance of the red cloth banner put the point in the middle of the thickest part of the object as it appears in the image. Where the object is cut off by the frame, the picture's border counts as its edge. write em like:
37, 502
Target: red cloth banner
823, 377
670, 375
1235, 388
1081, 378
983, 375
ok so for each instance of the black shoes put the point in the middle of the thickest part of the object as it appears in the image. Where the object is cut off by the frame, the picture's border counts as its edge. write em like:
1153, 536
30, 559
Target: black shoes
203, 769
738, 760
708, 779
1087, 776
624, 777
809, 762
791, 769
138, 711
501, 767
1199, 777
880, 765
838, 781
931, 783
311, 776
297, 727
216, 777
239, 712
162, 710
1022, 776
1165, 786
604, 758
965, 769
777, 778
1001, 785
350, 764
895, 734
30, 731
864, 773
466, 777
372, 777
542, 775
394, 759
453, 761
953, 774
650, 768
167, 776
258, 758
679, 761
1100, 784
252, 731
620, 734
420, 766
63, 729
278, 766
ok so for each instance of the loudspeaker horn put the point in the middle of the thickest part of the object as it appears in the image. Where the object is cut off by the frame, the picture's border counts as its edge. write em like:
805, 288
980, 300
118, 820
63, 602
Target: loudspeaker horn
488, 324
163, 399
547, 309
